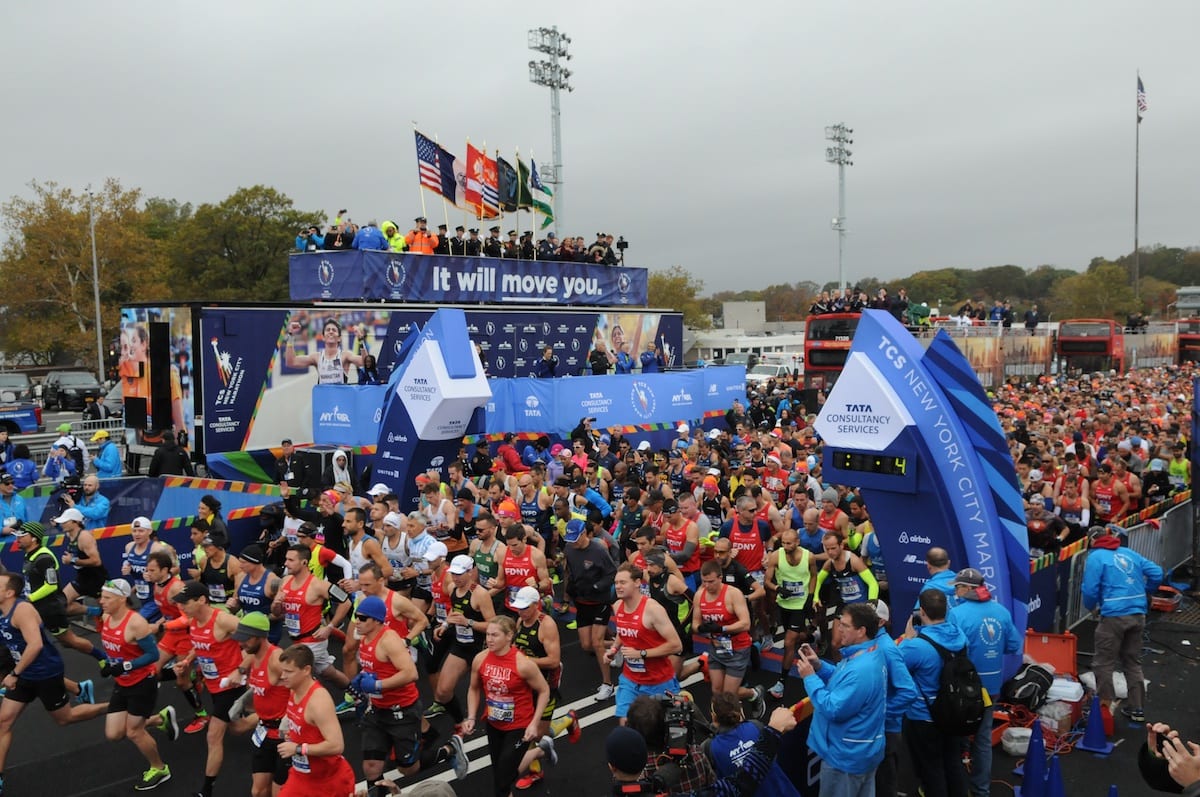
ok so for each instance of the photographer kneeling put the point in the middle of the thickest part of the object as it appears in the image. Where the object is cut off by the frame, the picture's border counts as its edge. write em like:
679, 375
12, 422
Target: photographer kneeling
658, 735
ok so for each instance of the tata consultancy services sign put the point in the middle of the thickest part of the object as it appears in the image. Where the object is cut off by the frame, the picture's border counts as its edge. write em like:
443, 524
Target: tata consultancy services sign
863, 410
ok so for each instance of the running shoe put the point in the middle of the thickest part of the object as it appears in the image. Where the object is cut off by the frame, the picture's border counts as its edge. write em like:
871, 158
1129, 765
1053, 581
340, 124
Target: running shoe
198, 724
573, 625
345, 708
758, 703
547, 745
87, 691
435, 710
170, 723
458, 760
703, 657
605, 692
776, 691
574, 730
153, 778
1134, 714
527, 780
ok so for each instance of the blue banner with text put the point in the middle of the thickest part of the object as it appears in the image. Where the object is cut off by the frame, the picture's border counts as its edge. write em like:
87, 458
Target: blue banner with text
393, 277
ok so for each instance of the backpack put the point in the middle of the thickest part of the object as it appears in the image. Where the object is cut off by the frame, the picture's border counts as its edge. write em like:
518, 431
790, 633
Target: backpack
76, 452
1028, 687
957, 709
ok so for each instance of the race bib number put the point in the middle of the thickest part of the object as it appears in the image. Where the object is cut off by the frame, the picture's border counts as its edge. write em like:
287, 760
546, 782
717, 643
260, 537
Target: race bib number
208, 668
500, 710
291, 623
216, 593
512, 593
636, 665
439, 612
792, 589
723, 644
142, 590
300, 763
260, 733
645, 588
464, 634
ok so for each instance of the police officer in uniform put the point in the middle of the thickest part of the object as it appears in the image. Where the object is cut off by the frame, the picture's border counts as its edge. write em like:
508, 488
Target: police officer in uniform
527, 251
473, 247
512, 247
458, 244
492, 247
443, 244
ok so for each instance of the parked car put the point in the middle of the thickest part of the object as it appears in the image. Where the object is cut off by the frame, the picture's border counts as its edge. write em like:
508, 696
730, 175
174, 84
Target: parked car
15, 386
748, 359
70, 390
115, 400
765, 372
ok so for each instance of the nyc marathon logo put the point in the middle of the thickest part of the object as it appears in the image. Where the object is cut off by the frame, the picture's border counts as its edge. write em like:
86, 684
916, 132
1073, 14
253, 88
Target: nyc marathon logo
641, 398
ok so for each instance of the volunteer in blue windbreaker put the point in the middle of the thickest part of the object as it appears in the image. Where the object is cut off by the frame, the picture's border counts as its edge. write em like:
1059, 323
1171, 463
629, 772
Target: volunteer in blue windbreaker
1115, 582
108, 456
936, 756
991, 635
849, 704
901, 692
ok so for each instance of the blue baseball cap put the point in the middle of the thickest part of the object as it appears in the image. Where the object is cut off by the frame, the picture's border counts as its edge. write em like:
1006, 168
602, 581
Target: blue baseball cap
575, 527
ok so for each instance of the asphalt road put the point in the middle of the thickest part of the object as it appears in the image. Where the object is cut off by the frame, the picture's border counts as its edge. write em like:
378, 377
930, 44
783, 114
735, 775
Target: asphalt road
77, 760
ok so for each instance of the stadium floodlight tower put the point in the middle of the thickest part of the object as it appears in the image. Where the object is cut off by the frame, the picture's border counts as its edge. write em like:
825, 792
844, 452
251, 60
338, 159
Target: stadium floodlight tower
839, 153
550, 73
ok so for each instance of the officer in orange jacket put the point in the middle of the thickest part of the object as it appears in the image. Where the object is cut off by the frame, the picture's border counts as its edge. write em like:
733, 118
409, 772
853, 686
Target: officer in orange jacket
420, 241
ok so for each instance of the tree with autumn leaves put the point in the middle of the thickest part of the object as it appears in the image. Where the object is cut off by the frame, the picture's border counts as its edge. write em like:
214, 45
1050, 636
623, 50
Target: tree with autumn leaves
148, 250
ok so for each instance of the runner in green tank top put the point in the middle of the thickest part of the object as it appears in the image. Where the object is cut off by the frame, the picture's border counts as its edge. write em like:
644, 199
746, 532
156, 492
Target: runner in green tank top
791, 572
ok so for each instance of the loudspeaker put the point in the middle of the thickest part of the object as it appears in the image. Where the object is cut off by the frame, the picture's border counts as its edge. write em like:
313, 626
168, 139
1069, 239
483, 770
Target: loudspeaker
159, 355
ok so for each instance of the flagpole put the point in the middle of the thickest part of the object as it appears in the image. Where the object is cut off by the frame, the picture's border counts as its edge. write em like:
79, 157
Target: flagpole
500, 199
532, 211
445, 209
518, 210
1137, 162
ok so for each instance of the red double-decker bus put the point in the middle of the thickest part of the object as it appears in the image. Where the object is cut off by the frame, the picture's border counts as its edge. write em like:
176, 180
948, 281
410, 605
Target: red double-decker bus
1091, 344
1188, 330
827, 340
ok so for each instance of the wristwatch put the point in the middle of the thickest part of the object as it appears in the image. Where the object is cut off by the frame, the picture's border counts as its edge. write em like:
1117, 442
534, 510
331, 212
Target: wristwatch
642, 653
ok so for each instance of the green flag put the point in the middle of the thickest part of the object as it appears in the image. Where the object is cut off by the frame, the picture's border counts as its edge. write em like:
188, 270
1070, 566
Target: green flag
541, 194
524, 196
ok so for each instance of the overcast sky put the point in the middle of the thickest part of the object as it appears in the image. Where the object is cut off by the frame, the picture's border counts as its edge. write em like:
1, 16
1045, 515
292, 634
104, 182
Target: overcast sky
985, 134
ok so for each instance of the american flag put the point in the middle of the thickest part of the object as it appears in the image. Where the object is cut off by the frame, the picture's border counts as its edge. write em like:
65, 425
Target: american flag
436, 167
1141, 100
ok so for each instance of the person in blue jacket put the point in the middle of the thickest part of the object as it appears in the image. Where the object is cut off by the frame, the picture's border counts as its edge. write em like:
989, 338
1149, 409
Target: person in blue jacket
11, 505
652, 359
108, 456
734, 738
991, 635
370, 237
1115, 583
60, 465
901, 692
22, 467
936, 757
849, 704
624, 363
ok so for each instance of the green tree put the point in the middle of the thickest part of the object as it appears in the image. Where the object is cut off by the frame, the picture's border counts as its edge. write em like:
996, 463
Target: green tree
239, 248
1000, 282
46, 268
678, 289
1102, 292
942, 288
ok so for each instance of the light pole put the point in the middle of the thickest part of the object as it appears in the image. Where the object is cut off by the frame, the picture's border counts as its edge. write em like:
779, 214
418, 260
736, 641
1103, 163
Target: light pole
839, 134
96, 288
549, 73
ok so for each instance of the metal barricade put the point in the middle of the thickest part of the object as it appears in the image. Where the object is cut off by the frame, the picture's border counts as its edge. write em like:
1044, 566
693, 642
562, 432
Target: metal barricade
1167, 542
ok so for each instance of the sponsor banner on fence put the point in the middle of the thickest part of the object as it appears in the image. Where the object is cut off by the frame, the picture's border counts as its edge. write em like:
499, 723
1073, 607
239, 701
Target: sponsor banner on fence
347, 415
388, 276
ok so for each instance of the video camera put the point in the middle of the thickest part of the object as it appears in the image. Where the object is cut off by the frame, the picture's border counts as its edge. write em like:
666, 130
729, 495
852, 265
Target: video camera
679, 721
72, 486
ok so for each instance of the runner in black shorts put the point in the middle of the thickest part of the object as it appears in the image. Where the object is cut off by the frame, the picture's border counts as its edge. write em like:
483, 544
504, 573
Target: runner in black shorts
82, 553
40, 570
466, 623
33, 677
132, 660
263, 705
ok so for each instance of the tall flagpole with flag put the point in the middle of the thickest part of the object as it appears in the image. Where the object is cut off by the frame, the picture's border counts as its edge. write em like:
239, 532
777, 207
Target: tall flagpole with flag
445, 207
1137, 162
420, 176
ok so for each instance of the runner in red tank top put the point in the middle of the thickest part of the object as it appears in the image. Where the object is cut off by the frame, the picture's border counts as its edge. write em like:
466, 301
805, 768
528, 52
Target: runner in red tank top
175, 643
832, 518
681, 535
314, 740
512, 692
747, 535
261, 669
388, 678
403, 616
1109, 496
301, 603
645, 639
724, 616
131, 654
217, 657
521, 566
